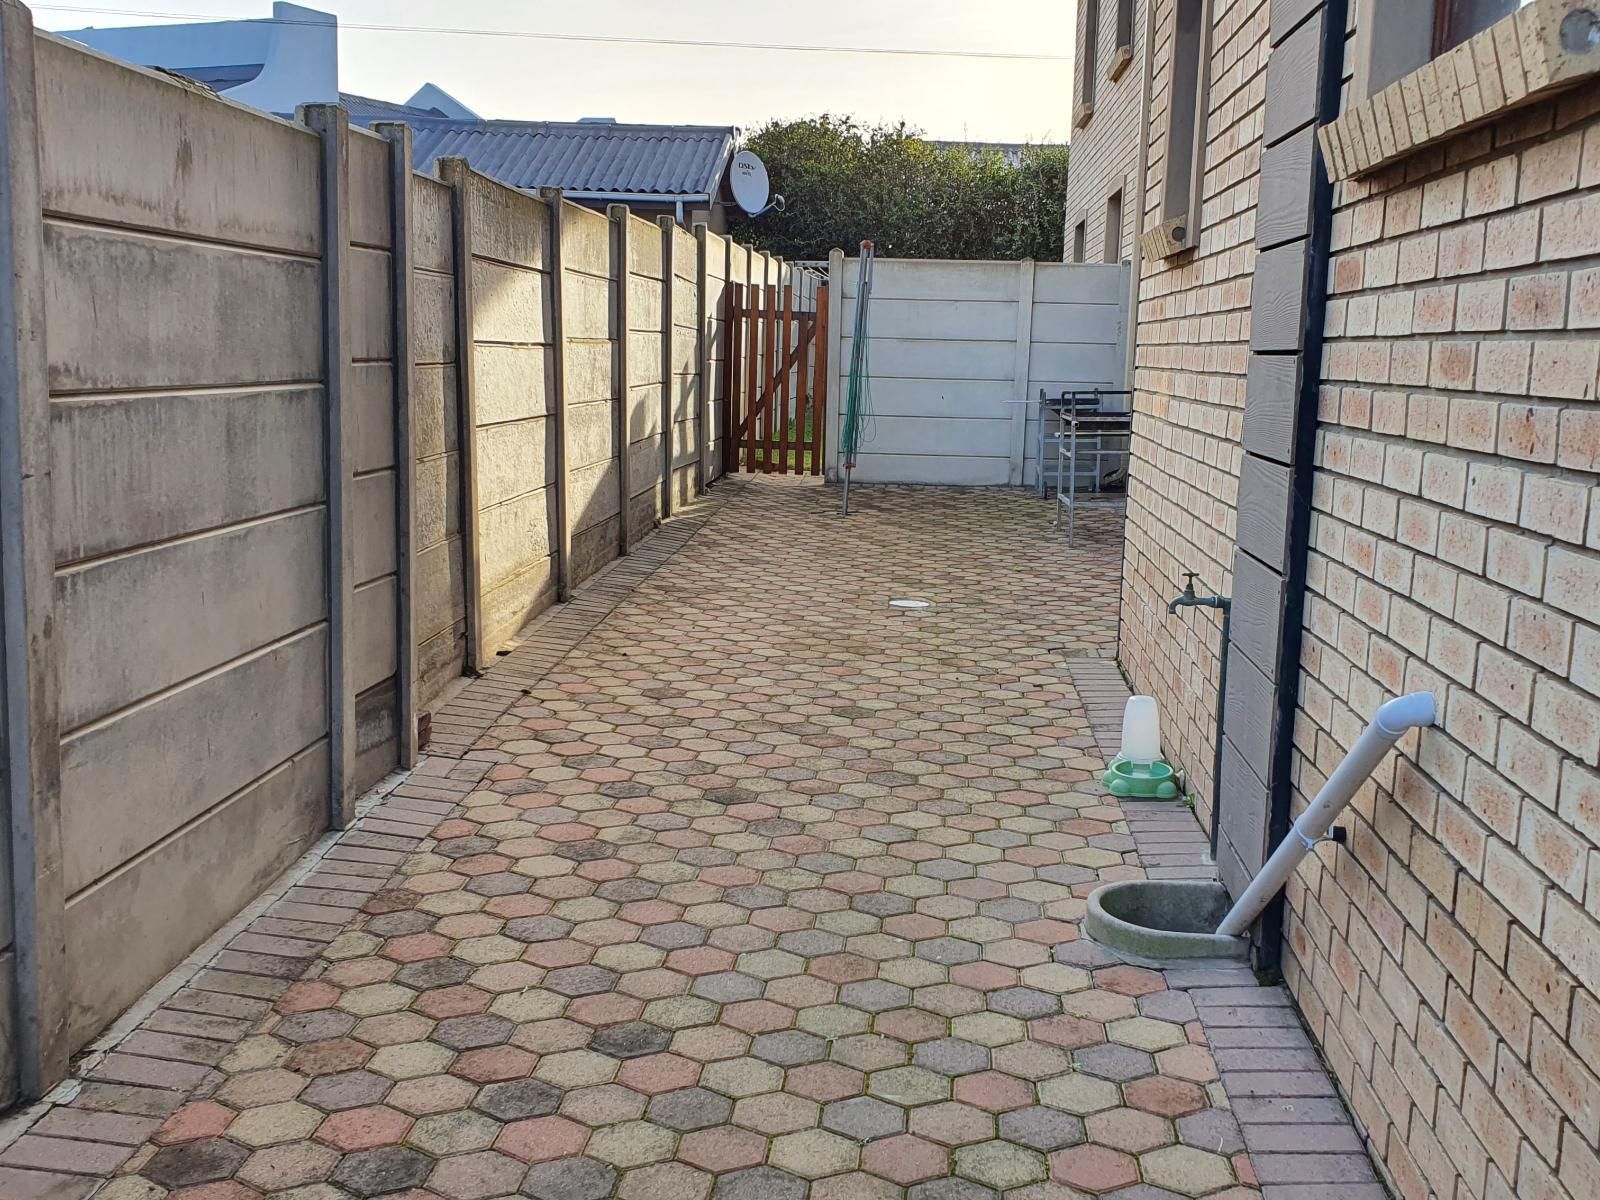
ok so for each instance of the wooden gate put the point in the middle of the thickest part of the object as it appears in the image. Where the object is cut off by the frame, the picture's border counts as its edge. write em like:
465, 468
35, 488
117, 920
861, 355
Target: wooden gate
777, 378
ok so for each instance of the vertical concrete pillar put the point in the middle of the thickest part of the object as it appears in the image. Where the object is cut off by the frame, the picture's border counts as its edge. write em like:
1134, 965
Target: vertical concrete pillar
405, 451
621, 226
669, 288
332, 125
558, 335
1020, 370
702, 358
836, 365
30, 741
458, 175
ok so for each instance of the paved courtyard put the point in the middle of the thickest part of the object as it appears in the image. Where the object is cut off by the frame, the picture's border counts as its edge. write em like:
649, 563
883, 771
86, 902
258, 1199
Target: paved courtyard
766, 890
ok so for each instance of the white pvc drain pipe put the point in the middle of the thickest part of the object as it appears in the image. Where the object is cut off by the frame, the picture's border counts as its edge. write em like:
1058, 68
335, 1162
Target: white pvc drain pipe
1388, 726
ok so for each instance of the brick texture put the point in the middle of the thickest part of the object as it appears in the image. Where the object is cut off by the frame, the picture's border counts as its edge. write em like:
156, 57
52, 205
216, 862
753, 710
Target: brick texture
1105, 150
1447, 962
1192, 343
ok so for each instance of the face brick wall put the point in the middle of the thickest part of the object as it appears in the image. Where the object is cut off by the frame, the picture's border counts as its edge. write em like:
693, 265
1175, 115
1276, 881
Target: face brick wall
1192, 341
1448, 960
1105, 150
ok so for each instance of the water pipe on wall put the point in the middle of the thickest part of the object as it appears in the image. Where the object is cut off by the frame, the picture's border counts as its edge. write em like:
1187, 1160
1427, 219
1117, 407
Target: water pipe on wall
1225, 605
1389, 724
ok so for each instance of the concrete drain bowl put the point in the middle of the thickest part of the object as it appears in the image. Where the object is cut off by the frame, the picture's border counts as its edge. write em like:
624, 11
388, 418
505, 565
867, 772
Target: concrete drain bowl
1160, 920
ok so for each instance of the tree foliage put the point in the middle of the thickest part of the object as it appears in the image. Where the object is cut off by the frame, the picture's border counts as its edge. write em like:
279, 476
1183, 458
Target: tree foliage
845, 182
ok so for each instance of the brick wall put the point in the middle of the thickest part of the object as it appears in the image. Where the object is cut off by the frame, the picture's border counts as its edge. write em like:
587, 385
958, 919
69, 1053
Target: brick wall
1448, 960
1192, 340
1105, 150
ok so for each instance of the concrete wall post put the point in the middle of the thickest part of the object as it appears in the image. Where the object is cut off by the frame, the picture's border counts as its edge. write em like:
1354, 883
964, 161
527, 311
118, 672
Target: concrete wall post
1022, 364
558, 337
669, 287
332, 124
621, 224
839, 369
702, 359
458, 175
30, 741
405, 455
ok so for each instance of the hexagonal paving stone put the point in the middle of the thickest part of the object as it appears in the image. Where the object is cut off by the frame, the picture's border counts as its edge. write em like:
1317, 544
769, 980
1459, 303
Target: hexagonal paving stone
190, 1163
273, 1123
476, 1176
632, 1144
908, 1086
634, 1039
1215, 1130
1000, 1165
1093, 1168
518, 1099
347, 1089
760, 1183
569, 1179
864, 1118
739, 1077
722, 1148
814, 1153
377, 1172
951, 1056
1128, 1129
453, 1133
791, 1048
1120, 1063
905, 1159
580, 981
471, 1033
1041, 1128
1186, 1170
952, 1124
774, 1113
1025, 1003
690, 1108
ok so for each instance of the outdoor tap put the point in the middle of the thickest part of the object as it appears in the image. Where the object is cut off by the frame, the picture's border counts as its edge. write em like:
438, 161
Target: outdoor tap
1189, 599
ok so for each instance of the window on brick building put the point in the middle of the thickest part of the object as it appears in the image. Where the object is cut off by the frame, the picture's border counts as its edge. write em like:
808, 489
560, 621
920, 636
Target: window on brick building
1185, 131
1088, 45
1457, 20
1113, 252
1393, 40
1122, 40
1080, 234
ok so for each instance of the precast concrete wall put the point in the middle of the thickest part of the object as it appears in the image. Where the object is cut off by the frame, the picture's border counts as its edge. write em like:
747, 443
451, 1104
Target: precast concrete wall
291, 438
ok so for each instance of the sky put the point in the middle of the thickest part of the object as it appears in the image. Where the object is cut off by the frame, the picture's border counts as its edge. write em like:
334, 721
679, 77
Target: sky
1009, 100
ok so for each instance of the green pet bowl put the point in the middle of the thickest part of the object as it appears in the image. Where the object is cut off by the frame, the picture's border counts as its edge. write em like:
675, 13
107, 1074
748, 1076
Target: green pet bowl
1140, 781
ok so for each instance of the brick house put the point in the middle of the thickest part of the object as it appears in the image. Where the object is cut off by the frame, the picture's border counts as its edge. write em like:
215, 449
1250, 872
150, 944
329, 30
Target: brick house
1366, 360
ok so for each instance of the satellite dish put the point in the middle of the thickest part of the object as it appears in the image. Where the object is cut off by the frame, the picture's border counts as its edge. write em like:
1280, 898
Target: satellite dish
748, 180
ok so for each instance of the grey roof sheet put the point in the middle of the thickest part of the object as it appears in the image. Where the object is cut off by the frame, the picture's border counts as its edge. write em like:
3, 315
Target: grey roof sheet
363, 109
583, 156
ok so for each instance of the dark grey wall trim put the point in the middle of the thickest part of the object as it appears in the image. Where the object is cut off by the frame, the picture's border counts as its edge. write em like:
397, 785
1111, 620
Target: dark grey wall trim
669, 300
1274, 509
558, 335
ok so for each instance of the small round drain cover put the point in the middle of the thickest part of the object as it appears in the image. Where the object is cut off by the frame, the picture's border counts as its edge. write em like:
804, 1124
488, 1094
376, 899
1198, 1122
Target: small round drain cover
908, 604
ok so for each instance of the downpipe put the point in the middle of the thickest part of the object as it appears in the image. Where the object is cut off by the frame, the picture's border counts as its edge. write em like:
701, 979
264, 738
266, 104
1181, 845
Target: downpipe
1391, 722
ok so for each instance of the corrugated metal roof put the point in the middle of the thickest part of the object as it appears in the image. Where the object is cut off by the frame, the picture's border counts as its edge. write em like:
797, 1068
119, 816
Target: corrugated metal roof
364, 109
583, 156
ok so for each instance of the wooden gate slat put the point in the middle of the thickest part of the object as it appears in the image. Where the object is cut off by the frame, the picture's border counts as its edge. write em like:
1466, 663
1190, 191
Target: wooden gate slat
785, 329
730, 378
752, 365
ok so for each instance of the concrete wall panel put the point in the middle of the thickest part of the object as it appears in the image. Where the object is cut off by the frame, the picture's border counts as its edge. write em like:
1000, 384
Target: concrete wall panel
372, 329
369, 414
370, 168
433, 318
591, 434
586, 307
644, 249
509, 226
135, 469
129, 311
510, 304
435, 425
591, 371
373, 633
152, 902
514, 460
592, 494
128, 782
513, 383
137, 623
585, 241
131, 147
431, 225
372, 526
